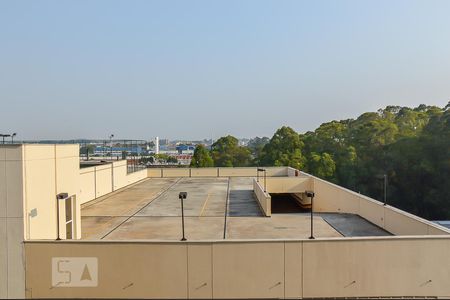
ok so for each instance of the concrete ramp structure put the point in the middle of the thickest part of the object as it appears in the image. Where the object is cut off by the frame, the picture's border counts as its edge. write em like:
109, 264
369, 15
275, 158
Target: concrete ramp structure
295, 186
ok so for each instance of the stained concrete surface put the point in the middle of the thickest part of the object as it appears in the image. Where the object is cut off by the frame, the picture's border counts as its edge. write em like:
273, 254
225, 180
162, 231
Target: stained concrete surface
151, 210
289, 226
169, 228
242, 201
353, 225
205, 197
128, 201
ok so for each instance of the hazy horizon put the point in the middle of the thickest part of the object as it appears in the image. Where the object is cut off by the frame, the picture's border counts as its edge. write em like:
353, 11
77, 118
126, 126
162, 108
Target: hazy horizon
199, 69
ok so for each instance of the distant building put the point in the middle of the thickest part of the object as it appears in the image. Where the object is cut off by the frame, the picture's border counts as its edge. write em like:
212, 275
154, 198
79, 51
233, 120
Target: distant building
156, 145
184, 159
118, 151
185, 149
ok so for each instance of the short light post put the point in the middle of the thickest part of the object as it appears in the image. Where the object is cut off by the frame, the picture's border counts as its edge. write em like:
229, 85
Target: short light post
182, 196
12, 137
265, 177
310, 194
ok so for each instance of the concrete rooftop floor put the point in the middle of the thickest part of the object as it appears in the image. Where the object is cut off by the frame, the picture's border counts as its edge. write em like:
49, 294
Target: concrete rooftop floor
151, 210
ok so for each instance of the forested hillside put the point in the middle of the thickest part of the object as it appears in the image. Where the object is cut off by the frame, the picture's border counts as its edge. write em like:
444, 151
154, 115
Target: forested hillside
410, 145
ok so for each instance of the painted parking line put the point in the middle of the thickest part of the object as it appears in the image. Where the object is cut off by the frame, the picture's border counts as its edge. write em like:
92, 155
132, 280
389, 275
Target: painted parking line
205, 204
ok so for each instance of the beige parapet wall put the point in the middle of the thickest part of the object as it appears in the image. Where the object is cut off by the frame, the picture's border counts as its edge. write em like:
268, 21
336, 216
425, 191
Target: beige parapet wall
215, 172
204, 172
100, 180
357, 267
288, 184
263, 198
333, 198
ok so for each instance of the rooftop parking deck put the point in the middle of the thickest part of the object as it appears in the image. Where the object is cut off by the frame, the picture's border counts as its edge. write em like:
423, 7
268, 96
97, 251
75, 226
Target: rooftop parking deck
216, 208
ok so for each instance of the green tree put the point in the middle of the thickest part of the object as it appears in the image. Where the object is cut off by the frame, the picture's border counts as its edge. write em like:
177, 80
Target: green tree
321, 165
226, 152
172, 159
201, 157
256, 145
410, 145
283, 149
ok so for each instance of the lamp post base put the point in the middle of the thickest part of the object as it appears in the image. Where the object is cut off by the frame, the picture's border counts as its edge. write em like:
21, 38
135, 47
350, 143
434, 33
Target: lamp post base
183, 239
312, 238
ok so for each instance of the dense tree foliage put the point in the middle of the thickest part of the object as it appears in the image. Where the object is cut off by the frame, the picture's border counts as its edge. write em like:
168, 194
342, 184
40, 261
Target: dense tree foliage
256, 146
226, 152
201, 157
283, 149
410, 145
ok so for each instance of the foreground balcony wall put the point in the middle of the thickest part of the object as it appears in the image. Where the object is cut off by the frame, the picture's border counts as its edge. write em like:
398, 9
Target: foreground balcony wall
250, 269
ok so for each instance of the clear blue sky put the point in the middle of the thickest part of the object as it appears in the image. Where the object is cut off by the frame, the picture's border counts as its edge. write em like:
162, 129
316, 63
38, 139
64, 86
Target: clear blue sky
200, 69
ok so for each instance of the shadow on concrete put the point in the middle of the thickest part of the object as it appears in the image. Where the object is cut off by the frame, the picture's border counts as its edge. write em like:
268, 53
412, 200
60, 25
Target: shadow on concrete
285, 204
242, 203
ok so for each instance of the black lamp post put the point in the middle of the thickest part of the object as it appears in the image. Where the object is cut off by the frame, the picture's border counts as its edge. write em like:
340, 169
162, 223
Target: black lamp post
182, 196
265, 176
310, 194
12, 137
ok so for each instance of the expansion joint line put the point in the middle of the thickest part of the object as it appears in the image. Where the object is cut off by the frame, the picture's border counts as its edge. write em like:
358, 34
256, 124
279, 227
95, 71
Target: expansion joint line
139, 210
226, 209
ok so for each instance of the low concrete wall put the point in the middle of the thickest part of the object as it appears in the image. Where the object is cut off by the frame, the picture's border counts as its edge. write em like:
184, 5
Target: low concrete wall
175, 172
264, 199
203, 172
333, 198
358, 267
215, 172
103, 180
291, 172
100, 180
237, 172
87, 185
277, 172
288, 184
